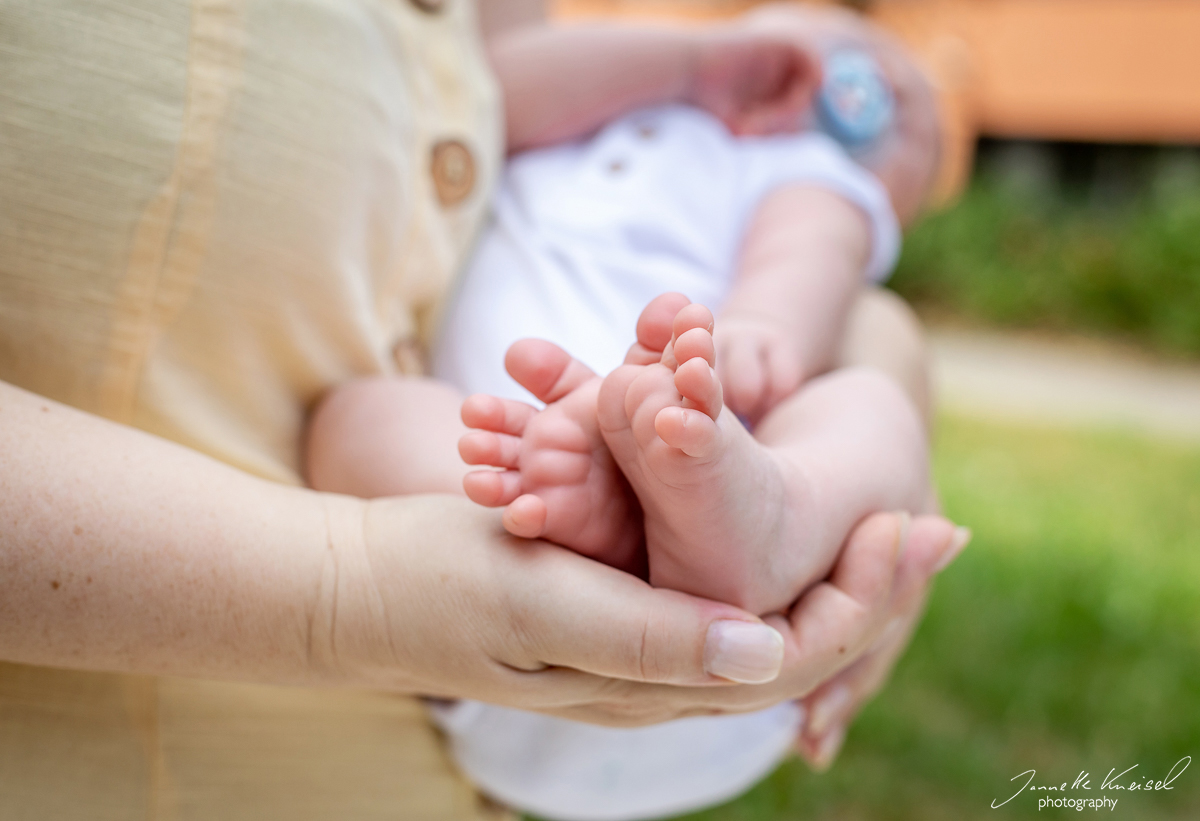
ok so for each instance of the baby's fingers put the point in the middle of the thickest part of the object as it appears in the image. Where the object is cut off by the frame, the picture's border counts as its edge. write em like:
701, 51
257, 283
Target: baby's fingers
743, 376
784, 375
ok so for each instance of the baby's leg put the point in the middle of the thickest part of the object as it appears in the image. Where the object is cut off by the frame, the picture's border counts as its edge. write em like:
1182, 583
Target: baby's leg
745, 520
386, 436
882, 332
861, 446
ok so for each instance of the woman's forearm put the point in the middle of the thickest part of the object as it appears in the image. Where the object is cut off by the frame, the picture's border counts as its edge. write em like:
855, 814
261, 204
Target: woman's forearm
121, 551
563, 81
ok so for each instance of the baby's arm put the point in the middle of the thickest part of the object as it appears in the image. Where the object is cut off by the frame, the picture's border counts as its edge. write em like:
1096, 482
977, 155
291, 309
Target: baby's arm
801, 268
562, 81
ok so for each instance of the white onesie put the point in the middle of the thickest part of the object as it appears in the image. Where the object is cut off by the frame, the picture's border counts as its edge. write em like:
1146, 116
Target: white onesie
583, 236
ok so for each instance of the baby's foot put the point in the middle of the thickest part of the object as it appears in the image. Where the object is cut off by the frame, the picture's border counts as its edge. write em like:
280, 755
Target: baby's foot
721, 512
559, 482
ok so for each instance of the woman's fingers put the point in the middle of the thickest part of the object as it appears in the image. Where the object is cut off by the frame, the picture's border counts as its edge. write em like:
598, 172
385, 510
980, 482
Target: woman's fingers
832, 706
828, 630
836, 620
882, 573
932, 543
673, 639
573, 612
529, 624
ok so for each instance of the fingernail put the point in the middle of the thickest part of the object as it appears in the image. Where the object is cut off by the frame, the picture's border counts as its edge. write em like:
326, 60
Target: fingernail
743, 651
827, 709
962, 537
831, 745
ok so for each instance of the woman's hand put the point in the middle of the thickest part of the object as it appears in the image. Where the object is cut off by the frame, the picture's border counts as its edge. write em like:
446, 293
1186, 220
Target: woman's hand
835, 625
476, 613
430, 595
832, 706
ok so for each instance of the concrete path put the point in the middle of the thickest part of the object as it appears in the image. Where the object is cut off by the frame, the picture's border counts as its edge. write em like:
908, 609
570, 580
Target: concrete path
1015, 378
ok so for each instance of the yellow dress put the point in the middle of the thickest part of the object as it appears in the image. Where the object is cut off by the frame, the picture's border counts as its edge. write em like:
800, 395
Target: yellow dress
211, 212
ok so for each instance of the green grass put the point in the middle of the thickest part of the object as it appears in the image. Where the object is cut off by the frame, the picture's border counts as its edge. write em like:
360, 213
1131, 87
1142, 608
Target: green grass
1066, 638
1063, 261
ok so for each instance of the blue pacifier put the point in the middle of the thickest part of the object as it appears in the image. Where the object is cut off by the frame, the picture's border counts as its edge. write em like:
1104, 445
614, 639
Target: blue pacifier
855, 105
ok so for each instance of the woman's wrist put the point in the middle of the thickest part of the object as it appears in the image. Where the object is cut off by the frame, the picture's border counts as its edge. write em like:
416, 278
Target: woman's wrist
335, 607
397, 602
128, 553
375, 615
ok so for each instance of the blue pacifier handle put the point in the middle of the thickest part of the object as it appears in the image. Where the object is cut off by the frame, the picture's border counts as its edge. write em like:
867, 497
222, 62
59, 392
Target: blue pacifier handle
855, 105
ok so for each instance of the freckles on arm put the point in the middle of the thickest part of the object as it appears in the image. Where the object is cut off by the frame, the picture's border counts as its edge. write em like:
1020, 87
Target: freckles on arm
121, 551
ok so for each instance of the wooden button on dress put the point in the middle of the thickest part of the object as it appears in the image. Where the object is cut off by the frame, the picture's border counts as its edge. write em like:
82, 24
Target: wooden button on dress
429, 6
453, 170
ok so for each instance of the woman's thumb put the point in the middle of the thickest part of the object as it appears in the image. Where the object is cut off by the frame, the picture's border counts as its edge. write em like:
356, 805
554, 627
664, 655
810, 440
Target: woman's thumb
605, 622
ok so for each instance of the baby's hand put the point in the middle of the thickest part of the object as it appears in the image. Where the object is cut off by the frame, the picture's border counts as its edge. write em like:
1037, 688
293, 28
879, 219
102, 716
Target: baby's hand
758, 363
755, 82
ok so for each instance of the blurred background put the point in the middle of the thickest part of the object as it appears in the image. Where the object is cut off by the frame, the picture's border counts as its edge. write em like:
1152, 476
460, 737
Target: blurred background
1060, 278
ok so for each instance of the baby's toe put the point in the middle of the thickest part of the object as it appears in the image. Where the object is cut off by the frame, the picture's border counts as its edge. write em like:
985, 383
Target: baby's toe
691, 323
697, 383
691, 317
655, 323
499, 415
611, 410
555, 468
492, 488
696, 343
526, 517
486, 448
544, 369
691, 431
